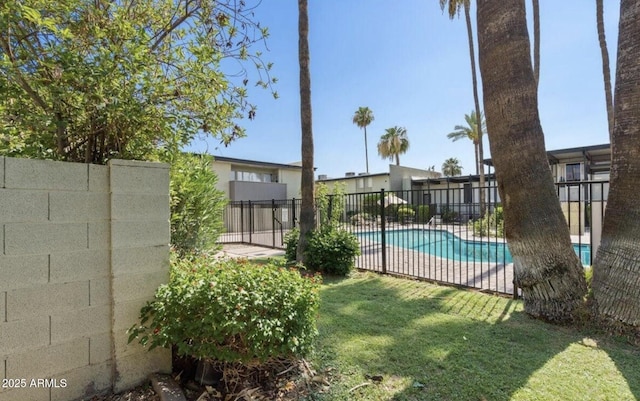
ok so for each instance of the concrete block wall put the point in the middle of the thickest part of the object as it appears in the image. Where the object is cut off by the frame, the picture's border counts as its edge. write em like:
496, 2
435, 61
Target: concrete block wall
82, 248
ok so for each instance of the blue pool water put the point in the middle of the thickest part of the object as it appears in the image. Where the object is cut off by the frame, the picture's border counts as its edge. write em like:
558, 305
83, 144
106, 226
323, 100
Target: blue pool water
447, 245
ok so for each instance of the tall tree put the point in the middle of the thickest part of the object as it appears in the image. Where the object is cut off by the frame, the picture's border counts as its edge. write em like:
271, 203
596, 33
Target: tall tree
616, 272
88, 81
453, 10
470, 131
536, 41
451, 167
546, 267
362, 118
606, 70
307, 209
393, 143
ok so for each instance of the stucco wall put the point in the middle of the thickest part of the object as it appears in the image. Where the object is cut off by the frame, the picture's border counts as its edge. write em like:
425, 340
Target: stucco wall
222, 170
363, 183
82, 248
292, 179
246, 190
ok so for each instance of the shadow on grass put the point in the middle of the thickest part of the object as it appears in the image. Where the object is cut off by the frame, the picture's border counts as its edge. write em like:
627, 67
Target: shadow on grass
627, 360
440, 343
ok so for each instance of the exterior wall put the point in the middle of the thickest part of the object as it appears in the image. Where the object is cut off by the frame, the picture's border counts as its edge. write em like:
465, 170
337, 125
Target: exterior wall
400, 176
237, 190
223, 171
292, 179
361, 183
574, 212
244, 190
82, 248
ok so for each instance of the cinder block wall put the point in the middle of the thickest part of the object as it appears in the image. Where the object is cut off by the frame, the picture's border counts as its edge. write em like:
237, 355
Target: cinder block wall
82, 248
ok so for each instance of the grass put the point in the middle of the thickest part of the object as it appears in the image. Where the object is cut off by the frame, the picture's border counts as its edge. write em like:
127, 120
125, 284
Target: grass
439, 343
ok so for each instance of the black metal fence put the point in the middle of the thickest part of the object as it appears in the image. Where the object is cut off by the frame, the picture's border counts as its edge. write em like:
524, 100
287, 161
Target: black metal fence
436, 234
260, 222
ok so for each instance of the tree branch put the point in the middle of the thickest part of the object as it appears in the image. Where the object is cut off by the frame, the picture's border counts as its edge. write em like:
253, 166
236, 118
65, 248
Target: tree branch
188, 13
21, 80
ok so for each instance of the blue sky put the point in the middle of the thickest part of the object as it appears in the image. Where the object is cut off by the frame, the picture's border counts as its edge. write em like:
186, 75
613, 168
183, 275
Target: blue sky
409, 64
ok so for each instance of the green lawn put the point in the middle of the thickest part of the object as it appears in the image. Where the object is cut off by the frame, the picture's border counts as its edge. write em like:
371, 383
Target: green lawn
439, 343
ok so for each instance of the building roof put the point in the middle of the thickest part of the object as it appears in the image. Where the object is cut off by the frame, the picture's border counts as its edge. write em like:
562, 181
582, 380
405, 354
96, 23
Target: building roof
246, 162
461, 179
596, 154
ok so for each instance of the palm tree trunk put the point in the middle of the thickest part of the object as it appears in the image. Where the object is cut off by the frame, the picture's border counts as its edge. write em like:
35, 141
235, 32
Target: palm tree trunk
397, 159
307, 209
606, 70
616, 272
366, 149
546, 266
475, 148
476, 101
536, 41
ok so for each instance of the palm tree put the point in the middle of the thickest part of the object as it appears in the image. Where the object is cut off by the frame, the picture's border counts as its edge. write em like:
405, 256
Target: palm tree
307, 215
470, 131
546, 267
451, 167
616, 271
393, 143
362, 118
536, 41
606, 70
453, 10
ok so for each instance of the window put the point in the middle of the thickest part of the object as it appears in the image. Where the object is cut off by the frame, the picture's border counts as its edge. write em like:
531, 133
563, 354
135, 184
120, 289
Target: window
573, 172
251, 176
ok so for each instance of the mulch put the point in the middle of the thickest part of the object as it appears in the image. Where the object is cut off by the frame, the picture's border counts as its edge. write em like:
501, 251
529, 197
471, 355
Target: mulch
281, 380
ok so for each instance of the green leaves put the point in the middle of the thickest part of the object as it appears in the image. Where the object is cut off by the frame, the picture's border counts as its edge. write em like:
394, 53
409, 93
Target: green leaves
232, 311
31, 15
88, 83
196, 205
330, 250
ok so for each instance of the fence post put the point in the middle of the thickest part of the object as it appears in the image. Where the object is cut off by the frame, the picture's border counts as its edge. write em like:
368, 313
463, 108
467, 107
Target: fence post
293, 213
383, 238
250, 223
273, 222
241, 221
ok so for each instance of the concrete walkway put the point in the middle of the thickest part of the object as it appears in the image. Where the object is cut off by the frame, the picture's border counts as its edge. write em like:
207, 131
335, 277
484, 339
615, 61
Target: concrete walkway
249, 251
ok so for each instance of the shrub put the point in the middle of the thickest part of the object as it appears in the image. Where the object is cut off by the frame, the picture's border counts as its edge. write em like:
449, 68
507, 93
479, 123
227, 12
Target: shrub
231, 311
492, 224
330, 207
588, 275
448, 215
330, 248
360, 219
352, 213
370, 204
291, 244
196, 205
391, 212
405, 213
332, 251
422, 214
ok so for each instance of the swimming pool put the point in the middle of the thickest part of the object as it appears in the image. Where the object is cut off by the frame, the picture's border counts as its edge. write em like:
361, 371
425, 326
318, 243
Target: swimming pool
444, 244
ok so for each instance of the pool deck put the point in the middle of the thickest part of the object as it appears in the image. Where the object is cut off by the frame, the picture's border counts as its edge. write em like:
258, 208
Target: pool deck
248, 251
485, 276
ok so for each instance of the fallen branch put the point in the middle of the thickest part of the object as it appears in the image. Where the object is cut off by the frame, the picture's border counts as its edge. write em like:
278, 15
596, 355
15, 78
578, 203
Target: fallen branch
359, 385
